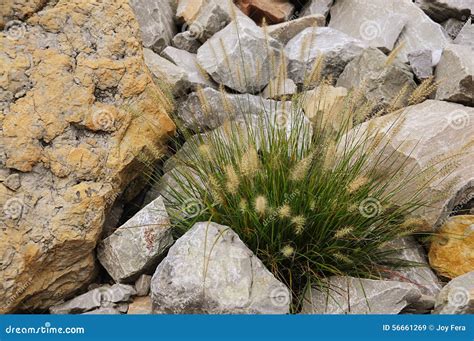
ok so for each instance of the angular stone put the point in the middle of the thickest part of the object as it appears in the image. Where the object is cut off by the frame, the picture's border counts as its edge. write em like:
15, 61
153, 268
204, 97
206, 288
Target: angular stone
466, 35
420, 274
203, 18
254, 56
421, 63
100, 297
284, 32
424, 305
142, 285
13, 182
349, 295
452, 249
66, 125
457, 297
103, 311
441, 10
140, 306
455, 73
225, 279
380, 82
419, 142
317, 7
166, 73
452, 27
379, 21
186, 41
336, 48
272, 11
378, 25
156, 23
198, 116
137, 245
188, 61
278, 88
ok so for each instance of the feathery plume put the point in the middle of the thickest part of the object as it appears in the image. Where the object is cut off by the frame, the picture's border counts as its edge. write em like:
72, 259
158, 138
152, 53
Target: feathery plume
249, 163
287, 251
298, 222
232, 183
261, 204
343, 232
284, 211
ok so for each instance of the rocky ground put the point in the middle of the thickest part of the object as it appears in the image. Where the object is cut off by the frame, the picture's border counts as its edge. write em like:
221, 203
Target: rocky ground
82, 106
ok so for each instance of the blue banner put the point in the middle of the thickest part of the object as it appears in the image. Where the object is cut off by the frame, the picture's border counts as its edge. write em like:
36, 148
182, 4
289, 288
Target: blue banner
200, 327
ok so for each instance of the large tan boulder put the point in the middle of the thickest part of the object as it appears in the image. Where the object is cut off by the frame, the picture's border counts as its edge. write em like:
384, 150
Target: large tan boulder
70, 89
452, 251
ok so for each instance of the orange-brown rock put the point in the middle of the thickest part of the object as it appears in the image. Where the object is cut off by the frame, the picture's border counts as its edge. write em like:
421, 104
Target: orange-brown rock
77, 110
452, 251
273, 11
140, 306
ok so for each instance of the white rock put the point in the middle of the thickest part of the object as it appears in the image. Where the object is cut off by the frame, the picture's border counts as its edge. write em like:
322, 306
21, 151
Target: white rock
241, 57
278, 88
210, 271
335, 47
285, 31
457, 297
466, 35
349, 295
138, 244
317, 7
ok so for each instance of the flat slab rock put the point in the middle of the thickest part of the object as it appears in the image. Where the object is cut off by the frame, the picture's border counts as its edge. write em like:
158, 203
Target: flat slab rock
138, 244
349, 295
210, 271
457, 297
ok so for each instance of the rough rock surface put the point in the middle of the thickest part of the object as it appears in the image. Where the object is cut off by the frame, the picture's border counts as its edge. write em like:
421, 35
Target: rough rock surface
140, 306
279, 87
421, 63
284, 32
209, 270
379, 82
13, 10
138, 244
272, 11
457, 297
421, 274
452, 250
188, 62
142, 285
203, 18
101, 297
455, 72
66, 130
453, 27
254, 56
167, 74
155, 18
186, 41
378, 26
335, 47
349, 295
420, 142
317, 7
466, 35
379, 21
440, 10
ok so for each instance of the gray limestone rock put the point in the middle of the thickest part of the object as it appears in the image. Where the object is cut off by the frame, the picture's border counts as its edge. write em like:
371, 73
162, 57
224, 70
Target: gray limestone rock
317, 7
349, 295
455, 73
142, 285
421, 63
241, 56
466, 35
210, 271
453, 27
440, 10
336, 48
285, 31
137, 245
186, 41
157, 26
457, 297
